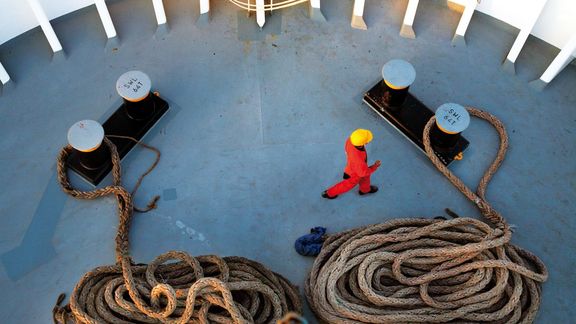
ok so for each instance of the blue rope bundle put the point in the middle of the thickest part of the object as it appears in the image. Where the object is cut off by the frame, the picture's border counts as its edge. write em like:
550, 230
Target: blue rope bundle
311, 244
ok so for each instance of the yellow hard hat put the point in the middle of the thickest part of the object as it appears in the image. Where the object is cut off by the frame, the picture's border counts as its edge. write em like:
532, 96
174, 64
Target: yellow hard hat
360, 137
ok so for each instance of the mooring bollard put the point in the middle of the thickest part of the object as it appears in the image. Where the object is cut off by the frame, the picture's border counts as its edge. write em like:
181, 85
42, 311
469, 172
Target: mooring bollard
398, 76
391, 100
451, 120
134, 87
86, 138
140, 110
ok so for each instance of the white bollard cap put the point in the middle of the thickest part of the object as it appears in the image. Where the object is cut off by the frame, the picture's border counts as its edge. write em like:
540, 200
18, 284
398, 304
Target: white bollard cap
86, 135
452, 118
398, 74
133, 86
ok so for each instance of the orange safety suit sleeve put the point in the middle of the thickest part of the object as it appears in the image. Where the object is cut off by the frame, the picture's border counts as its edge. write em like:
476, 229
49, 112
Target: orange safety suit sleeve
357, 164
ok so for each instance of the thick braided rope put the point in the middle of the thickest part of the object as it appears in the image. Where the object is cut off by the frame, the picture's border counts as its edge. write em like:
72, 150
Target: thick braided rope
193, 289
417, 270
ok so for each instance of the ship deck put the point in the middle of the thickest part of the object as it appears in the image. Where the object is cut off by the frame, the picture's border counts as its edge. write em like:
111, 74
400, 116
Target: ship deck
256, 132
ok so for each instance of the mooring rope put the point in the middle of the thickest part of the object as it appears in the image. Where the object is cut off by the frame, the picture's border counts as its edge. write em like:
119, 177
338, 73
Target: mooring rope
190, 290
416, 270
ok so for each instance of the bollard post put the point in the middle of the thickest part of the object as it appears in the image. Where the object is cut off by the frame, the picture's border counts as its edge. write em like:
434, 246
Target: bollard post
397, 76
86, 138
134, 87
451, 120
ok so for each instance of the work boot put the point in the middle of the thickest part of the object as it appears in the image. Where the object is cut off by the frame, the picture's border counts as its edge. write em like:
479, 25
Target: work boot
373, 189
325, 195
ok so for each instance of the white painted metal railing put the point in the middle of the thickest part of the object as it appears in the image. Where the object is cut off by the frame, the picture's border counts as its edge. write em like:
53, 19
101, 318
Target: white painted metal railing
159, 11
530, 10
105, 17
563, 58
45, 25
406, 30
464, 22
4, 77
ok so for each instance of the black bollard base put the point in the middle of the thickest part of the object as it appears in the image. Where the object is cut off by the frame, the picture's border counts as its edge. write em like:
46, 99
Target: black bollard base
409, 119
122, 125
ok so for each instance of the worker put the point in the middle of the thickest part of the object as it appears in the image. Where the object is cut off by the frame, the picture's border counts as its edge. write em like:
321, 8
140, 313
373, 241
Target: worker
357, 170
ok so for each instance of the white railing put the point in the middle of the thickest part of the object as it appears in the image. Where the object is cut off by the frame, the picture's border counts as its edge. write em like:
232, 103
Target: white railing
550, 20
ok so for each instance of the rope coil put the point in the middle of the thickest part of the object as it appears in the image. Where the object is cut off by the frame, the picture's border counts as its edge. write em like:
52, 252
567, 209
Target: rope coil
429, 270
192, 289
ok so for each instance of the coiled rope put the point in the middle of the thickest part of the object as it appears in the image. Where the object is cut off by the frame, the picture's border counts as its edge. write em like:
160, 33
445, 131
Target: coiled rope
191, 290
428, 270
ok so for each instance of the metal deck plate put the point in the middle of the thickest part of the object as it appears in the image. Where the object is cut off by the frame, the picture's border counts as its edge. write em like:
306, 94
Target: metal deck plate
120, 124
409, 120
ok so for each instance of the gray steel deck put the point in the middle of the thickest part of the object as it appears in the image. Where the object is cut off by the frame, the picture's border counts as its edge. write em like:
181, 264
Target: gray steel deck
257, 132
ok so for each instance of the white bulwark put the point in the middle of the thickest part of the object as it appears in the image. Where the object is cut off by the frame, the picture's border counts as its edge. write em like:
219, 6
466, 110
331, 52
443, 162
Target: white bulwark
398, 73
86, 135
133, 86
452, 118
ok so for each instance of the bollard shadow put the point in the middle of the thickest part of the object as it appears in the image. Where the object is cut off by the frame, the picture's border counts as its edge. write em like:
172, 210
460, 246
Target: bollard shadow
36, 247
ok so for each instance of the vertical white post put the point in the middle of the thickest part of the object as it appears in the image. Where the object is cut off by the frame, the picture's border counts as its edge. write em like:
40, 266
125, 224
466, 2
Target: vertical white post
315, 12
407, 30
530, 18
562, 59
204, 6
204, 16
4, 77
357, 15
45, 25
105, 17
260, 14
159, 11
458, 38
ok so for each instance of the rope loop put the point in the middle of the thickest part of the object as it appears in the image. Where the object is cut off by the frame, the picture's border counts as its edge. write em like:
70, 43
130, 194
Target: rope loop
478, 197
176, 287
169, 299
419, 270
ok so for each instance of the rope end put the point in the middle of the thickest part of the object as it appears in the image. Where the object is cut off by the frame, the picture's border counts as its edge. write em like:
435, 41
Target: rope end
60, 313
154, 203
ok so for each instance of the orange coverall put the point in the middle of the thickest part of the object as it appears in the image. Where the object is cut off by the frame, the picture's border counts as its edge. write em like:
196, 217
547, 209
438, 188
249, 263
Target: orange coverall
356, 171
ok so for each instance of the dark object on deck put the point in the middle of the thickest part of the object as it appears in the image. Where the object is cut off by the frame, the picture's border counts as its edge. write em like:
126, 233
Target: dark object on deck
409, 118
451, 213
121, 123
141, 110
311, 244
